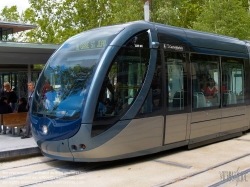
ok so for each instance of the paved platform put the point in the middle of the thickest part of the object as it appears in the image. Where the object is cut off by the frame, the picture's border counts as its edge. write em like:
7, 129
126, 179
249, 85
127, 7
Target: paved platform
13, 146
225, 163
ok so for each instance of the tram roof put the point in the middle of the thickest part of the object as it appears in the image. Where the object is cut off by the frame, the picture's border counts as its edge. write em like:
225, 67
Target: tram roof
193, 40
25, 53
205, 40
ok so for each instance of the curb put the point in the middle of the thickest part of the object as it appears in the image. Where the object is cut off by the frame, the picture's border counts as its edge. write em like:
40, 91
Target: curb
19, 152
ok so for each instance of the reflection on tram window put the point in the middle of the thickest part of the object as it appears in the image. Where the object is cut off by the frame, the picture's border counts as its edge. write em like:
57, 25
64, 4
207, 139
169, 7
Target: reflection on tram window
205, 81
153, 104
61, 88
232, 81
64, 84
122, 83
176, 81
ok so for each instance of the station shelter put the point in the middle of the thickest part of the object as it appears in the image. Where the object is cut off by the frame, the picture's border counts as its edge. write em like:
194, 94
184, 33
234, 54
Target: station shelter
20, 62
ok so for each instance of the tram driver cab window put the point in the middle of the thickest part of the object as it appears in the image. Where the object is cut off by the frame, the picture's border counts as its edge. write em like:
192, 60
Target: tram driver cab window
122, 82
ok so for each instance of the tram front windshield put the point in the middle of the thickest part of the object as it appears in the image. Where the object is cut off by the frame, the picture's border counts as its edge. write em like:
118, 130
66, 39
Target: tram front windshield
63, 85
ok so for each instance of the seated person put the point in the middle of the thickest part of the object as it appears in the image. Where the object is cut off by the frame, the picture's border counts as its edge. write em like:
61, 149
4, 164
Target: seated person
22, 105
210, 91
224, 87
4, 109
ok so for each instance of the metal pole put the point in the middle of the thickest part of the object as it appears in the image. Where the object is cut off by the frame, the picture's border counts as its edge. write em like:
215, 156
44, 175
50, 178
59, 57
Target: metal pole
146, 12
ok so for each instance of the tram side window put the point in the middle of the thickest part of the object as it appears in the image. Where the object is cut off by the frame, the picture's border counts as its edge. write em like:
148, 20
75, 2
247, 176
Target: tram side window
122, 83
232, 81
152, 105
205, 81
176, 76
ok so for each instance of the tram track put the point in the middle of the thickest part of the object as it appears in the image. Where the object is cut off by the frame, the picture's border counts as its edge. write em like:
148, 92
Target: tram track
68, 174
26, 165
179, 179
40, 171
238, 177
58, 171
78, 170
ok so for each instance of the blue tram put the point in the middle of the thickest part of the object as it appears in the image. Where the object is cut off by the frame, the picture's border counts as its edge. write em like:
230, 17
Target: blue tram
140, 88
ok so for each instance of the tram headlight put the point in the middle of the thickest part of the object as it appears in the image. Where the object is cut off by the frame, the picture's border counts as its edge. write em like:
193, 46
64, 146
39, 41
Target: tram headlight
45, 129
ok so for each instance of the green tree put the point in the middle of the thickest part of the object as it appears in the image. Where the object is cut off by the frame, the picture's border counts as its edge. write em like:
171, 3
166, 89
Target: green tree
177, 13
226, 17
59, 20
126, 11
10, 14
166, 13
80, 15
189, 11
245, 4
44, 14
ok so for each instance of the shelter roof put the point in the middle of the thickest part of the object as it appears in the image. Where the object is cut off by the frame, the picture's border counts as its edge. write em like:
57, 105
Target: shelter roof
25, 53
17, 27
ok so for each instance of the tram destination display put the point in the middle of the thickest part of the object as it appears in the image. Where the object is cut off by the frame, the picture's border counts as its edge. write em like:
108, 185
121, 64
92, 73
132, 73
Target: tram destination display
93, 44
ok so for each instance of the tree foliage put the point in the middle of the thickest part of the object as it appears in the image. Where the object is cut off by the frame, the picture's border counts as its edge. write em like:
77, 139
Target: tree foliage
10, 14
245, 4
43, 13
226, 17
177, 12
126, 11
59, 20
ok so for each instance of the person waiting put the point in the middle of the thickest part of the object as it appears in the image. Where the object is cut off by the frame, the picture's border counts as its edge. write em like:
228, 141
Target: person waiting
31, 87
4, 109
11, 95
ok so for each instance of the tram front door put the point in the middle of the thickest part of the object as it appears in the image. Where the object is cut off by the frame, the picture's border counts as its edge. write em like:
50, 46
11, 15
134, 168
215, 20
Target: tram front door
176, 94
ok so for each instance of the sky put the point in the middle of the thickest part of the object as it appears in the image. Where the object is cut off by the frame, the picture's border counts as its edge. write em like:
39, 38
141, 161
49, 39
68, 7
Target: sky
21, 4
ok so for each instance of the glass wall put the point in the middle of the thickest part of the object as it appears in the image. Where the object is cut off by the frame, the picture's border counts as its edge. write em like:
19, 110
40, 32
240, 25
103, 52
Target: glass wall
6, 34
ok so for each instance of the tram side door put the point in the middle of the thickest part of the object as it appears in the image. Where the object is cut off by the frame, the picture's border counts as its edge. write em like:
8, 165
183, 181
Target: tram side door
206, 97
176, 103
233, 98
